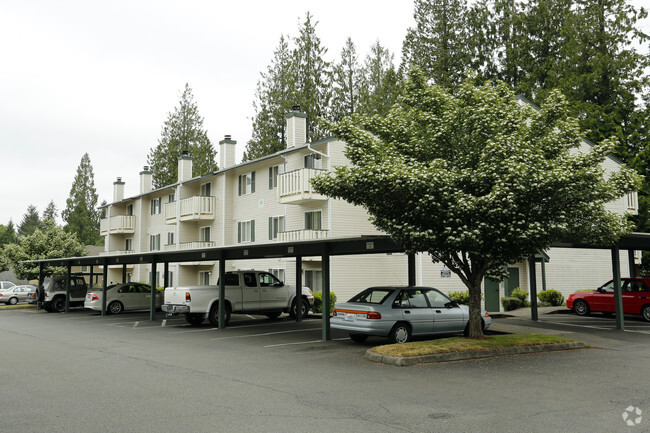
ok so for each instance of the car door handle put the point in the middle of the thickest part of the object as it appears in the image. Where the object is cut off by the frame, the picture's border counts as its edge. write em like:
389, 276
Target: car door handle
438, 311
407, 312
643, 297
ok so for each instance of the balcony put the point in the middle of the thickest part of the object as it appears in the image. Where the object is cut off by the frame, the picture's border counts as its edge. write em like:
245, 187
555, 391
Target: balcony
117, 224
196, 245
104, 253
194, 208
295, 187
302, 235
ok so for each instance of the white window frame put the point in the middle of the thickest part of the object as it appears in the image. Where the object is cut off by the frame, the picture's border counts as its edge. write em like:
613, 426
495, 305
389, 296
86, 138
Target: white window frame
205, 234
155, 206
170, 238
314, 280
171, 198
154, 242
204, 278
128, 244
129, 209
247, 183
314, 160
310, 220
274, 172
279, 273
206, 189
246, 231
276, 225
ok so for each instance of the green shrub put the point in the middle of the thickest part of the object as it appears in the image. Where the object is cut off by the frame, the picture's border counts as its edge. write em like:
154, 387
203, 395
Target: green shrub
510, 303
460, 297
552, 297
318, 302
544, 304
520, 294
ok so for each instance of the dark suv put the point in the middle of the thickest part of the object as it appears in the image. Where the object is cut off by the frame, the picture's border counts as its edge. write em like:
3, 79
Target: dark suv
54, 293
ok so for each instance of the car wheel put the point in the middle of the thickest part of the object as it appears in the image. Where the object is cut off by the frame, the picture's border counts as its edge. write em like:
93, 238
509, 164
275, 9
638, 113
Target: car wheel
47, 306
305, 309
401, 333
581, 307
13, 301
58, 304
645, 312
358, 338
115, 307
273, 315
194, 319
213, 317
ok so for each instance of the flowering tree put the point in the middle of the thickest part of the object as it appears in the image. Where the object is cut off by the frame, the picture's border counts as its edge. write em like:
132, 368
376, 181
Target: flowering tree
477, 179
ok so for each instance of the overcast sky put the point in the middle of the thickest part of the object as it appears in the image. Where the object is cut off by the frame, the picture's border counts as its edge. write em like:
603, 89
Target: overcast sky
100, 77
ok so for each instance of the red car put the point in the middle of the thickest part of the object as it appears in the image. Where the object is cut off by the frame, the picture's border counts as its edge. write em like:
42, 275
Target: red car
634, 291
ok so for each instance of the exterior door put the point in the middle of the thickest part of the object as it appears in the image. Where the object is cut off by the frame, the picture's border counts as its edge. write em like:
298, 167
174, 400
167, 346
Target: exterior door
250, 292
492, 295
512, 282
273, 294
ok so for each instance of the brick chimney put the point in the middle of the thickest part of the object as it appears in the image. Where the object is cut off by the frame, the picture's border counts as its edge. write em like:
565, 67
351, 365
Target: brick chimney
296, 127
226, 152
118, 190
184, 166
145, 180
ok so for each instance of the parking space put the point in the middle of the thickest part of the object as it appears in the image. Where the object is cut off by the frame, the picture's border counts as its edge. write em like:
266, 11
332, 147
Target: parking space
597, 321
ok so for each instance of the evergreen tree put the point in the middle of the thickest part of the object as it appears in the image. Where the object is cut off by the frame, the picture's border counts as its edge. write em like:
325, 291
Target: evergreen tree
346, 84
183, 130
439, 42
273, 100
380, 81
31, 221
80, 215
312, 77
50, 212
8, 234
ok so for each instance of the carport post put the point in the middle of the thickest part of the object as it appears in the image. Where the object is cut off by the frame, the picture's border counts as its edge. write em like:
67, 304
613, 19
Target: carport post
222, 292
104, 285
411, 269
90, 279
533, 288
618, 299
166, 274
67, 288
325, 304
543, 275
41, 267
154, 283
298, 288
124, 272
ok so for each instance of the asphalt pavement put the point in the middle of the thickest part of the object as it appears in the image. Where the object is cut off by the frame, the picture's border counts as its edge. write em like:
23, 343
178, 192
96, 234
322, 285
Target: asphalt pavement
80, 372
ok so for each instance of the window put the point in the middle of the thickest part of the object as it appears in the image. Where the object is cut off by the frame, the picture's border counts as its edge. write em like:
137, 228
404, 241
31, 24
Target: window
273, 175
170, 278
204, 278
128, 244
129, 277
246, 231
170, 238
155, 206
313, 220
103, 213
129, 209
314, 161
268, 280
278, 273
314, 280
204, 234
276, 225
437, 299
206, 189
154, 242
247, 183
171, 198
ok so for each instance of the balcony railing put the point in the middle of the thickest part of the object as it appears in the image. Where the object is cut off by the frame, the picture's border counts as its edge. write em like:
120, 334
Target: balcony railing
103, 253
302, 235
295, 187
196, 245
194, 208
117, 224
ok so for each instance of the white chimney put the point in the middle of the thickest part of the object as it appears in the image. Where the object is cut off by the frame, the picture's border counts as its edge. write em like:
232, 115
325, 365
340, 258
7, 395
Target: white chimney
184, 166
145, 180
118, 190
296, 127
226, 152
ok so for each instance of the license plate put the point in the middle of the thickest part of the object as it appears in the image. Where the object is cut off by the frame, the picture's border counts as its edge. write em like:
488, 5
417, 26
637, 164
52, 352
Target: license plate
351, 317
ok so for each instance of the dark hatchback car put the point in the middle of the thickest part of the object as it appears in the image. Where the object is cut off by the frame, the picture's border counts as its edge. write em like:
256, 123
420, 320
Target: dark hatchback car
634, 291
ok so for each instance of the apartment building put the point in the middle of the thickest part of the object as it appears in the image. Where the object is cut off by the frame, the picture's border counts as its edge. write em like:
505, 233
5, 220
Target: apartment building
270, 199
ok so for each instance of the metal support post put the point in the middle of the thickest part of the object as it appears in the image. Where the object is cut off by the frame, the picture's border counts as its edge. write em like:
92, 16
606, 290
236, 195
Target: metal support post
325, 305
104, 286
154, 284
630, 263
67, 287
618, 298
298, 288
411, 269
222, 292
533, 288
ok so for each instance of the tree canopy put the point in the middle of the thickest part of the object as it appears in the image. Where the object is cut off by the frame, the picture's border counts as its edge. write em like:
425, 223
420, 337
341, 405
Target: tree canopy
477, 179
183, 130
81, 215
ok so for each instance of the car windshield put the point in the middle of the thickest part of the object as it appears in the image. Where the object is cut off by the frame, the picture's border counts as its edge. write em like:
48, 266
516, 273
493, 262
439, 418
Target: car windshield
374, 295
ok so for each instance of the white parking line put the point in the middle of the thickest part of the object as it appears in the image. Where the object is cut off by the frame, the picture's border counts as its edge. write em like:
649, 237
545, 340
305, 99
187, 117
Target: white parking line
193, 330
305, 342
266, 333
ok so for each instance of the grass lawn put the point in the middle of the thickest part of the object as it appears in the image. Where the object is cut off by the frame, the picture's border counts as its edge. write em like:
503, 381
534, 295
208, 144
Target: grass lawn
462, 344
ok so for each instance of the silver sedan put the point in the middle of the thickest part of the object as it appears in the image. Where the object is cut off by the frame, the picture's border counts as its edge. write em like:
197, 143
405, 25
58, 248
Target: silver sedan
402, 312
121, 297
16, 294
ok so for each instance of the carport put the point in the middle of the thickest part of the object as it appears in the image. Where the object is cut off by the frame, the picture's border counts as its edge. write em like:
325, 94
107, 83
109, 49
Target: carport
324, 248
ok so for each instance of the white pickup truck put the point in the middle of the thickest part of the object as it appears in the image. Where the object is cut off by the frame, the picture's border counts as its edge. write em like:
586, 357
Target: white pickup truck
252, 292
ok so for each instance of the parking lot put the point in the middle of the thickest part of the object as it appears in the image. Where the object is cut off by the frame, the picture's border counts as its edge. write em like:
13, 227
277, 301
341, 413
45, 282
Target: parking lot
597, 321
80, 372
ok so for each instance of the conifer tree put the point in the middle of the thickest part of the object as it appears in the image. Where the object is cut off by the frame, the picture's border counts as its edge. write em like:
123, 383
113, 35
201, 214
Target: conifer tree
347, 82
380, 81
81, 215
30, 222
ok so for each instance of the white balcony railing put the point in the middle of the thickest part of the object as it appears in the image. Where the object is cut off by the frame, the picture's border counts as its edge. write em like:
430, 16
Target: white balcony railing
117, 224
295, 187
302, 235
191, 209
196, 245
103, 253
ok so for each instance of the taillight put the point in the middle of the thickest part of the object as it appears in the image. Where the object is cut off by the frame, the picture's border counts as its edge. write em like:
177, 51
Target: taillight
188, 297
333, 314
95, 297
373, 315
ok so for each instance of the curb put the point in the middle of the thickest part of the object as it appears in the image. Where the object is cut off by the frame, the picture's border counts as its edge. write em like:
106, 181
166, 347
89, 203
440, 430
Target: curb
473, 354
18, 307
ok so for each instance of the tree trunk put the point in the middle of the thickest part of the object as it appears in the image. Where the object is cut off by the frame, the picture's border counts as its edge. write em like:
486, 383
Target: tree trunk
475, 326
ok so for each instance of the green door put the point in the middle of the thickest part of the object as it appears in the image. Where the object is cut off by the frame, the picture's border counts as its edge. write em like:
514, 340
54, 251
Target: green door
512, 282
491, 294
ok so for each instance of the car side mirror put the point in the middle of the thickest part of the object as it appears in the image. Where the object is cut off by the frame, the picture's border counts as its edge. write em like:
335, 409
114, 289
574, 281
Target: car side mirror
451, 304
